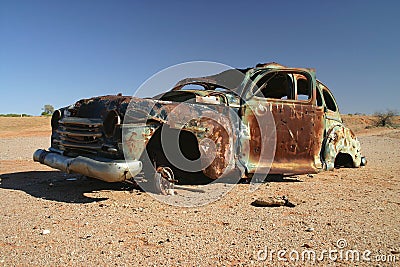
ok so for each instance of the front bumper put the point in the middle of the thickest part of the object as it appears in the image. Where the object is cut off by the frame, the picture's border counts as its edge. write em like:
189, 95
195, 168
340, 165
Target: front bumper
109, 171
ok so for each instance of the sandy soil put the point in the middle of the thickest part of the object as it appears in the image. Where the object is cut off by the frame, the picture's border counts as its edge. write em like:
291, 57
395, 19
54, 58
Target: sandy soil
49, 219
24, 127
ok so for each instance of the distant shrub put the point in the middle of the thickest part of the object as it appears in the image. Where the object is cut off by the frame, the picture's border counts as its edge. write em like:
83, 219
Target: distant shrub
47, 110
384, 119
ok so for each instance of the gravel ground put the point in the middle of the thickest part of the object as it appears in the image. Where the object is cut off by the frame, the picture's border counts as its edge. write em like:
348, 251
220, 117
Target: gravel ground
21, 148
49, 219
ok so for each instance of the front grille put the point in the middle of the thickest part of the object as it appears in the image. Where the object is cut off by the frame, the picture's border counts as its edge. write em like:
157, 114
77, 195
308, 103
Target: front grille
80, 134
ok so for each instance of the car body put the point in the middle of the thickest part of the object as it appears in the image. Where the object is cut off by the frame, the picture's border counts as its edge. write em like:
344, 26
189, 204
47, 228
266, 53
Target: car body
266, 119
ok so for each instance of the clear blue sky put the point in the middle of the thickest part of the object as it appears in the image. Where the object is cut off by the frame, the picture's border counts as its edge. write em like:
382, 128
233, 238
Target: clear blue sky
57, 52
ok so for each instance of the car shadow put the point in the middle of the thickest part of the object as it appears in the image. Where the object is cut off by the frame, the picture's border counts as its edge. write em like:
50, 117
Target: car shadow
274, 178
72, 188
282, 179
58, 186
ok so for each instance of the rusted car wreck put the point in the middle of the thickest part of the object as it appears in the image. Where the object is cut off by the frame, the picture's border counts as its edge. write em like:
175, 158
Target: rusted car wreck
266, 119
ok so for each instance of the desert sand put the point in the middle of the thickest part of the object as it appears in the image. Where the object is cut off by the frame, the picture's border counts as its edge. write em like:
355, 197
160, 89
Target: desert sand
52, 219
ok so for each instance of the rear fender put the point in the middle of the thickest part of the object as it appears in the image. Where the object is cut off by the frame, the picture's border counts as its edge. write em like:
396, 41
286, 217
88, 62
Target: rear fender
340, 139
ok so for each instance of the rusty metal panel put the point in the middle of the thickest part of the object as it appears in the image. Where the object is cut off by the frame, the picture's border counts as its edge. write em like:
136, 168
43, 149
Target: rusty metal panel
299, 134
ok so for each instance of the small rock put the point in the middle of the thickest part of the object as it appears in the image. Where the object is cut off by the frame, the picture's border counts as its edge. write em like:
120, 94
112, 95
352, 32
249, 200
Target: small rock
309, 229
45, 232
306, 246
273, 202
310, 175
269, 202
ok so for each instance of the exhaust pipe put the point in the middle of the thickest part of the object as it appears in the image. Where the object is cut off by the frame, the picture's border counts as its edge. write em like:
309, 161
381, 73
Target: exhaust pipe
108, 171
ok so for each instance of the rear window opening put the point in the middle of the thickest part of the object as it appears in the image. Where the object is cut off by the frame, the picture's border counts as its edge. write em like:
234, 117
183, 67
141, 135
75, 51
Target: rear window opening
329, 102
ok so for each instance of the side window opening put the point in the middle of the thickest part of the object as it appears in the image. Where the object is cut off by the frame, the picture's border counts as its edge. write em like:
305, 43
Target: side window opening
283, 85
329, 102
275, 85
303, 88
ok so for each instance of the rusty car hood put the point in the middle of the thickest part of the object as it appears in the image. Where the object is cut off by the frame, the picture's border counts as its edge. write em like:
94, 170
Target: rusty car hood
98, 107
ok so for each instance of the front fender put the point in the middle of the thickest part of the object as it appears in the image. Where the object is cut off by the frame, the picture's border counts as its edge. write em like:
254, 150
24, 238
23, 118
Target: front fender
216, 145
135, 139
210, 124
